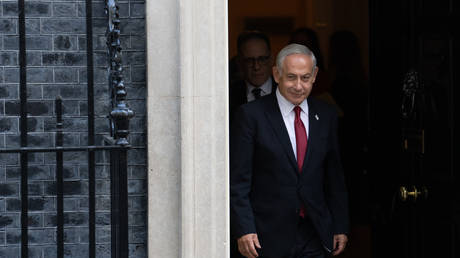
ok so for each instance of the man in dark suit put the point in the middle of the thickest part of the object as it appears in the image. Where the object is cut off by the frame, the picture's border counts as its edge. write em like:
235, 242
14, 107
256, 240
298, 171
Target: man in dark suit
288, 196
254, 61
252, 81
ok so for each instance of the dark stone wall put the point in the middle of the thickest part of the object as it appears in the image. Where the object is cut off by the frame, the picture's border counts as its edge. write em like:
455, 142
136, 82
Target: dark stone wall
56, 65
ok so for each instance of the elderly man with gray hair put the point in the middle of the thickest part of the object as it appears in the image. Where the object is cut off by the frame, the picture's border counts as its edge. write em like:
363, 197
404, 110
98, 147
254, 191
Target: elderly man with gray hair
288, 196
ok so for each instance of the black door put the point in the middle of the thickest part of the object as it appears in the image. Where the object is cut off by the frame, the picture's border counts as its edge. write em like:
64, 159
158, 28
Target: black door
414, 59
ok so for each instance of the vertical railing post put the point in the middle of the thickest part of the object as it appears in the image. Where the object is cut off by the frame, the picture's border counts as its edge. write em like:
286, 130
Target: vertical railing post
59, 180
91, 131
119, 125
23, 125
119, 203
114, 205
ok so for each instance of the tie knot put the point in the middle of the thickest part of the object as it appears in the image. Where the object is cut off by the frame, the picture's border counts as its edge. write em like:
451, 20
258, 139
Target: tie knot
297, 111
256, 92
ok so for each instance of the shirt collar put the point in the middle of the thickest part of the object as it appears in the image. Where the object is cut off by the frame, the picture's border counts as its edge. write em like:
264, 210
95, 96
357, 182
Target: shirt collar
286, 106
266, 87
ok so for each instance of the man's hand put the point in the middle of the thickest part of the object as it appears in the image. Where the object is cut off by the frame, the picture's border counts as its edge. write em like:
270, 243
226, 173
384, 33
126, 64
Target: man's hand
340, 241
247, 245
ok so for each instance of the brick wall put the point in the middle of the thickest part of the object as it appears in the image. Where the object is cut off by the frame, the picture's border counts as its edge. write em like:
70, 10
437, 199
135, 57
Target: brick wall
56, 65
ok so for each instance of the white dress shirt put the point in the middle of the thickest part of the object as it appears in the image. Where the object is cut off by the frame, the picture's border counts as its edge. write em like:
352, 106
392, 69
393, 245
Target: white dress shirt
266, 89
288, 113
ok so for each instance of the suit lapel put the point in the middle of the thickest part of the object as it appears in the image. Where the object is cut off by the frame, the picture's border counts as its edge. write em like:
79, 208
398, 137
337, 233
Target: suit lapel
242, 92
313, 121
274, 85
275, 118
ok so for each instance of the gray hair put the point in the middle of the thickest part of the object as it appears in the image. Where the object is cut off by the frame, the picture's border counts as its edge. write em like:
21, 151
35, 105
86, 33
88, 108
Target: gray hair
292, 49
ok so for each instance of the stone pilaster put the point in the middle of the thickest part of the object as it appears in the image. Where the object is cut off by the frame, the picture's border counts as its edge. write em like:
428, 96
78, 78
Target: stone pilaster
187, 128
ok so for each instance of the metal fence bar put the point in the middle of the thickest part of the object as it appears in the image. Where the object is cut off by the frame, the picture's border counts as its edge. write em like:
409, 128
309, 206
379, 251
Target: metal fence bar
91, 156
119, 203
92, 204
114, 208
23, 125
64, 149
59, 180
123, 203
119, 124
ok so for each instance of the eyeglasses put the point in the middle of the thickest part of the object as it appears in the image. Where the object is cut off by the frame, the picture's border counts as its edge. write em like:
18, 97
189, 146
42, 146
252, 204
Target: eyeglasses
251, 61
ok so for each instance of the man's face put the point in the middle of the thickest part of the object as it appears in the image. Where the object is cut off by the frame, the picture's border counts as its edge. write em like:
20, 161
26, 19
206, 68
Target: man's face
297, 77
256, 62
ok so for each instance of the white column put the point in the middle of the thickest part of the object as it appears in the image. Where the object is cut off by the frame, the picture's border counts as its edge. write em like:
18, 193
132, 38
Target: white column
163, 133
187, 128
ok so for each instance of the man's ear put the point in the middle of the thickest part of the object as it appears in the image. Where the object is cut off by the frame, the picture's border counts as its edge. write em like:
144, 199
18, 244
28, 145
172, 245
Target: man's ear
276, 74
315, 73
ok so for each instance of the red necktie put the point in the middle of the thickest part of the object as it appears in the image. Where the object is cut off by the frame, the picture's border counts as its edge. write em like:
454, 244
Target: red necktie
300, 138
301, 144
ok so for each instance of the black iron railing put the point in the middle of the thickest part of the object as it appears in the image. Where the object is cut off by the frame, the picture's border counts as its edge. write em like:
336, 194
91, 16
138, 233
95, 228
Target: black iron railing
115, 143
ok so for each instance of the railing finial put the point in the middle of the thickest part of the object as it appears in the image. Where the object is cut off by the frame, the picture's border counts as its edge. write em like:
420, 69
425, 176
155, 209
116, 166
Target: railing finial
120, 114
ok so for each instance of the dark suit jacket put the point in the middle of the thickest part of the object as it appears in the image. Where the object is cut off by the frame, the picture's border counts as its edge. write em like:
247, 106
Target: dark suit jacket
266, 189
238, 95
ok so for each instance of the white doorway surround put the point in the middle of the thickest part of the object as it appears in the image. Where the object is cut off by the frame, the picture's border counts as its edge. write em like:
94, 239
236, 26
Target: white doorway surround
187, 70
